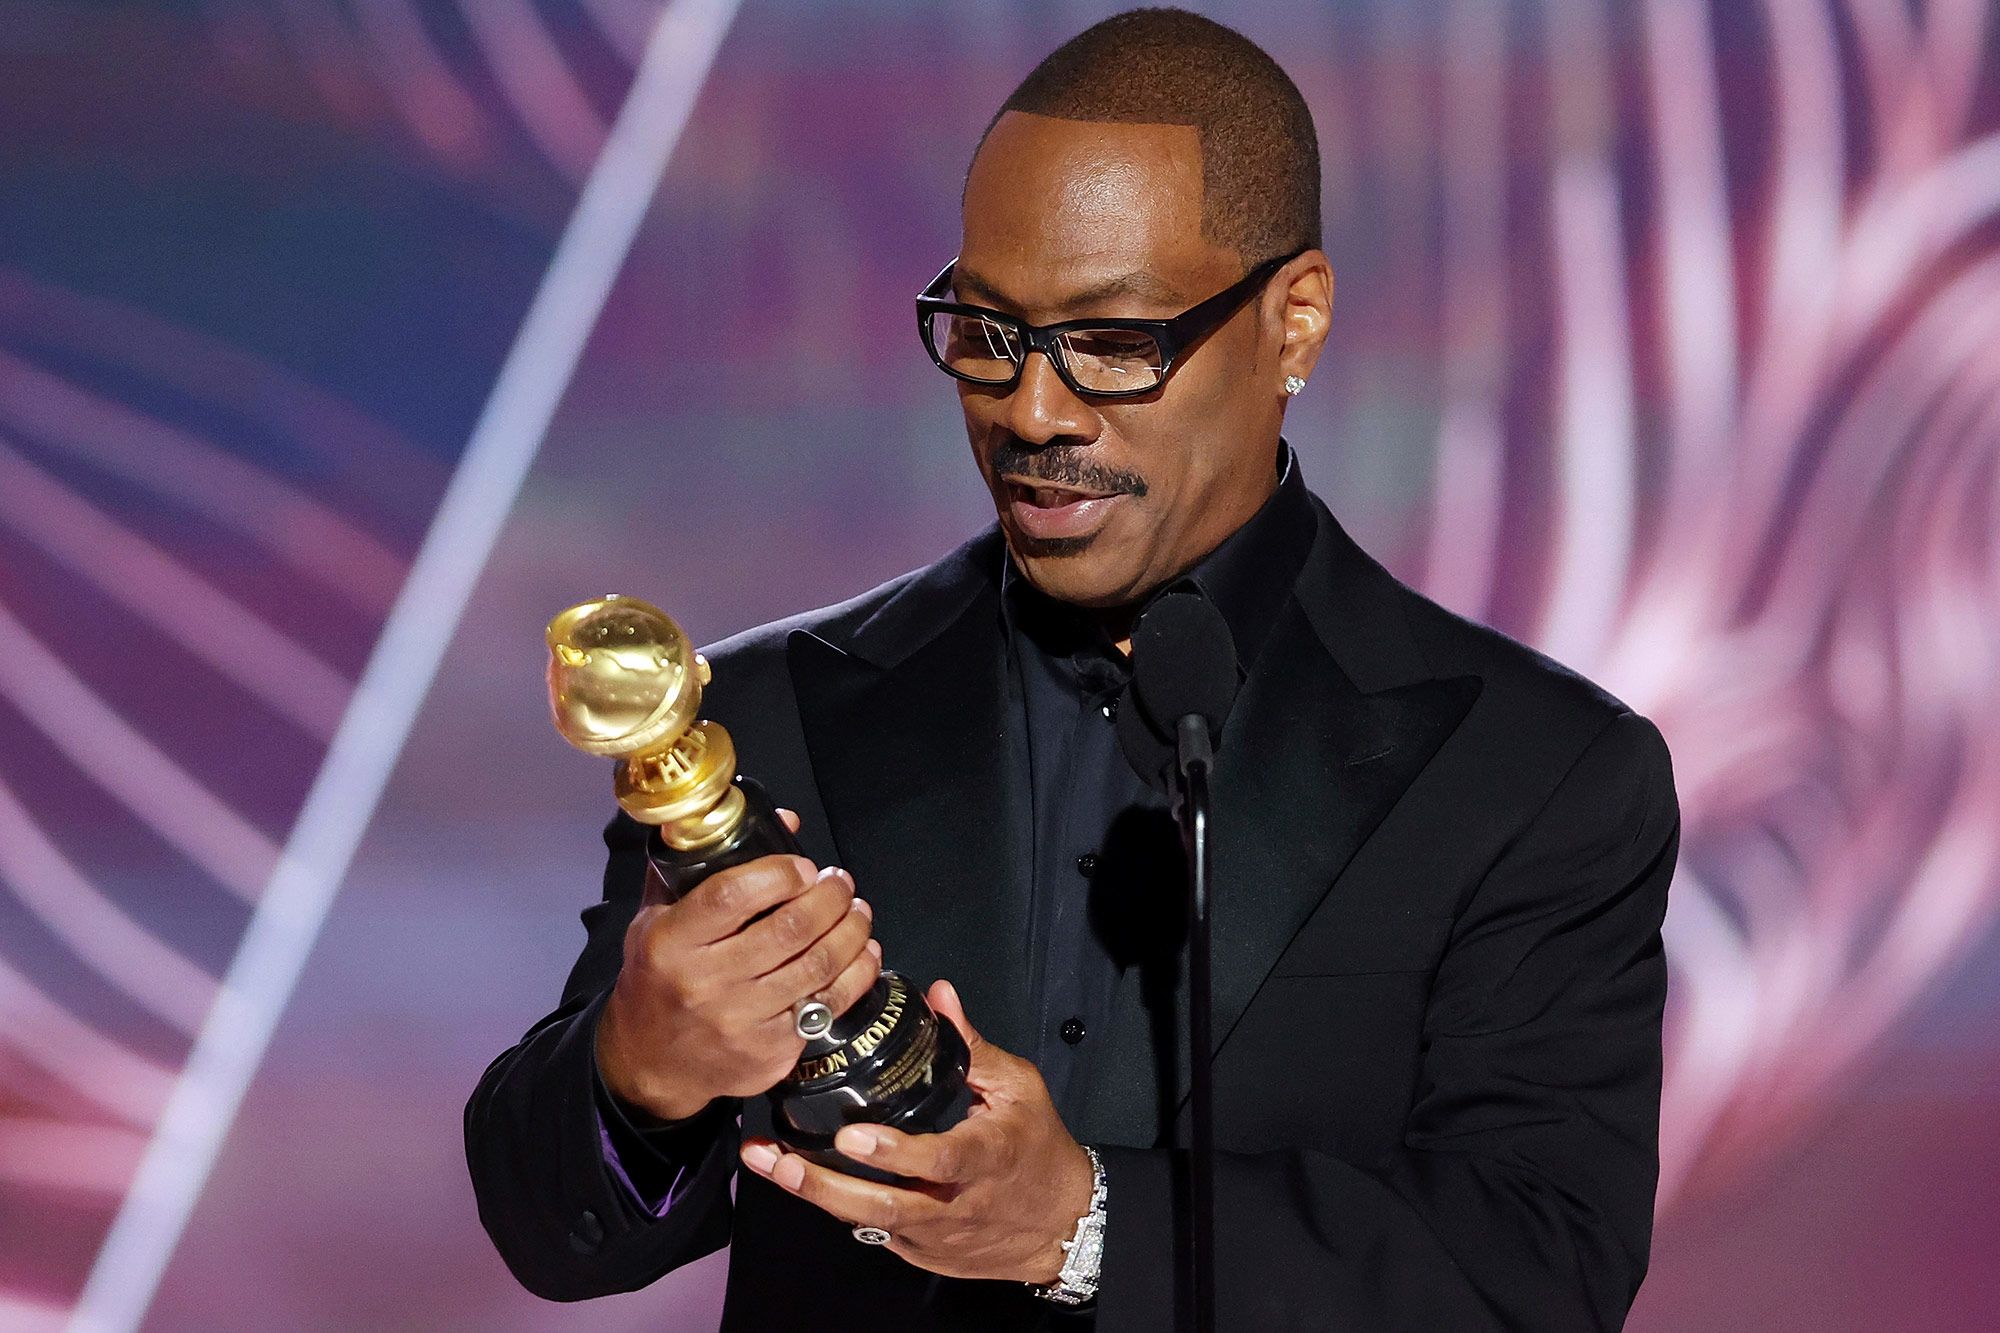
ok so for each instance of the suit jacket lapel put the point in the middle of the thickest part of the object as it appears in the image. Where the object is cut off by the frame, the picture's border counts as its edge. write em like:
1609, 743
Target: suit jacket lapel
1335, 721
912, 729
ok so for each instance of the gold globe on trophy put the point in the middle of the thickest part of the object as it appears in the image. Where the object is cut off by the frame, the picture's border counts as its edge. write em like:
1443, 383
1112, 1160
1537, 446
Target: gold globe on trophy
625, 682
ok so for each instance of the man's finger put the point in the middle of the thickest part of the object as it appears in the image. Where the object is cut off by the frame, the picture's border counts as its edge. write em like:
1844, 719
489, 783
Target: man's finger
792, 928
853, 1200
639, 928
790, 818
820, 964
943, 997
855, 981
960, 1154
995, 1074
720, 905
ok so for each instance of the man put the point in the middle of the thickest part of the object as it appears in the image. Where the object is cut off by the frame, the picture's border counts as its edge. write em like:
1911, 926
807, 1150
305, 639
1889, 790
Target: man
1442, 859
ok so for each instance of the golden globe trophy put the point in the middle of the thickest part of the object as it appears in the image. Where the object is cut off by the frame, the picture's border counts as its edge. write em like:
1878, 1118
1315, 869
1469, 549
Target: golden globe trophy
625, 682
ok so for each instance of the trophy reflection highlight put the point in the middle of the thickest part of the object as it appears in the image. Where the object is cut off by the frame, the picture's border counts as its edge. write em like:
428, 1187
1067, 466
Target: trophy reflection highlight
625, 682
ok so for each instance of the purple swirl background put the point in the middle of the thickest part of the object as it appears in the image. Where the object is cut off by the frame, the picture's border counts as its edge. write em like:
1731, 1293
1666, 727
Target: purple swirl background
1665, 341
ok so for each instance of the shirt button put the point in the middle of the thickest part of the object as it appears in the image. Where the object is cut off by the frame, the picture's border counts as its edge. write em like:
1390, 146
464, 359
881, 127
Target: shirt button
1072, 1030
588, 1233
1110, 709
1087, 863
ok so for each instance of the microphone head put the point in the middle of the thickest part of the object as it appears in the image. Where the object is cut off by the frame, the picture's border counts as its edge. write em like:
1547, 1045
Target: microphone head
1183, 662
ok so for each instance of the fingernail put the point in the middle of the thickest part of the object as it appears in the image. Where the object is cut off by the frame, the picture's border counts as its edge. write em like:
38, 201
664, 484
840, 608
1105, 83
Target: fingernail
790, 1171
826, 872
855, 1142
875, 947
760, 1157
861, 906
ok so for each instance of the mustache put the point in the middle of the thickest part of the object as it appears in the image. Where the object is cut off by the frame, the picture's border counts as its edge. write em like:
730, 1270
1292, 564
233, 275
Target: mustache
1063, 465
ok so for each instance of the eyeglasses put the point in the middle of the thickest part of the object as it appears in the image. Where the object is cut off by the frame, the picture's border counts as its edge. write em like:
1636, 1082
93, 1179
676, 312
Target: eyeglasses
1106, 358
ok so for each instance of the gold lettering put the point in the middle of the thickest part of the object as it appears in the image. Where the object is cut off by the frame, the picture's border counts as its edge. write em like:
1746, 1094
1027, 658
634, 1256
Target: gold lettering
865, 1042
912, 1066
809, 1070
685, 756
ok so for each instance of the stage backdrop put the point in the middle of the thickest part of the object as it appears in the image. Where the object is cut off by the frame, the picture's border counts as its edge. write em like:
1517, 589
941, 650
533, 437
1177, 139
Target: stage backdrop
343, 341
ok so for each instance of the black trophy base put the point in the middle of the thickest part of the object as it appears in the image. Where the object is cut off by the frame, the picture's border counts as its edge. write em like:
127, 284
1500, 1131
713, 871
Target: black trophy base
889, 1060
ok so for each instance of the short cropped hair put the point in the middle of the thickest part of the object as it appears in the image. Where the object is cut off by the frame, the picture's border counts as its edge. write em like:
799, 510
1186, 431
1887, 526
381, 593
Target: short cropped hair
1259, 152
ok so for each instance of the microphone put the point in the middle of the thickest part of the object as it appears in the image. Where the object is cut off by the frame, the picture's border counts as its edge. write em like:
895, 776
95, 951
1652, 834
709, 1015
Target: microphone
1183, 683
1183, 664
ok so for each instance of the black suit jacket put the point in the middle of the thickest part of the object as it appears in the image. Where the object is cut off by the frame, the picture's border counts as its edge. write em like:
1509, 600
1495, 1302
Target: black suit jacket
1442, 863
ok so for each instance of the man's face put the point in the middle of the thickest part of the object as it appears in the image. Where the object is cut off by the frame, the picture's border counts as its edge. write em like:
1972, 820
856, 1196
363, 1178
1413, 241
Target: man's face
1101, 500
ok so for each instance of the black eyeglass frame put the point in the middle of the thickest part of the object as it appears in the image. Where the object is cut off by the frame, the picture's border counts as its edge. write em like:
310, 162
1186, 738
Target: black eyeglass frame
1174, 336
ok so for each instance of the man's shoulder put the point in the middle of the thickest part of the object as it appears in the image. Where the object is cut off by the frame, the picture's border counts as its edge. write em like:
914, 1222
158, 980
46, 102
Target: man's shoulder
1361, 596
1459, 645
1539, 695
890, 616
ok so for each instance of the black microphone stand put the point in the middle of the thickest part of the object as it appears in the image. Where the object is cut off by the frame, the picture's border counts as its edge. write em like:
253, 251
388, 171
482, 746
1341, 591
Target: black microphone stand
1193, 759
1185, 674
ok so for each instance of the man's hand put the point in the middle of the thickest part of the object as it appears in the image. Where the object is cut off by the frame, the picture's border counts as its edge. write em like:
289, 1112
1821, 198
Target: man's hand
993, 1197
703, 1004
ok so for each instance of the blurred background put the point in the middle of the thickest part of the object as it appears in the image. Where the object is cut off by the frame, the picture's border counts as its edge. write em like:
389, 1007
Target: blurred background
344, 341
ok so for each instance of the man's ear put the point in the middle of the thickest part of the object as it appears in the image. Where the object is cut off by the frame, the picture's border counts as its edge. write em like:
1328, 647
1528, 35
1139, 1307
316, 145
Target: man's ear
1307, 313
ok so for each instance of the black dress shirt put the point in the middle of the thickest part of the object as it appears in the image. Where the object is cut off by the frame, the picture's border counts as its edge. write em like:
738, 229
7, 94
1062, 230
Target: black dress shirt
1109, 874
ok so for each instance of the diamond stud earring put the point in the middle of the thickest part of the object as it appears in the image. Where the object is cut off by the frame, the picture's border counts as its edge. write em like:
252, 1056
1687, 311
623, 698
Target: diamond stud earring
1294, 383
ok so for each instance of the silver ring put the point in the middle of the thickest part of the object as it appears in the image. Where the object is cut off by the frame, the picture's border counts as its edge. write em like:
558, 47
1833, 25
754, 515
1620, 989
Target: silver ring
811, 1018
871, 1235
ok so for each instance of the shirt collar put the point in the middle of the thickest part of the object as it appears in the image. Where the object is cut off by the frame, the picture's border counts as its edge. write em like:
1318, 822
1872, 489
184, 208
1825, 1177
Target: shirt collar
1247, 577
1250, 575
